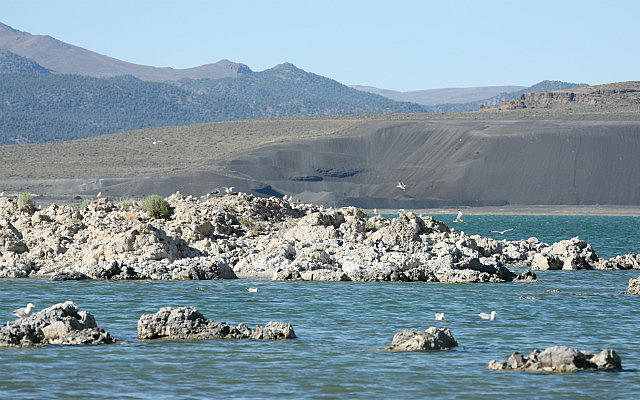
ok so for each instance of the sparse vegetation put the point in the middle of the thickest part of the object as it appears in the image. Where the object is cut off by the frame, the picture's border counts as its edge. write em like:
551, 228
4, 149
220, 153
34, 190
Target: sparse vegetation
127, 205
82, 205
157, 207
26, 202
251, 225
372, 226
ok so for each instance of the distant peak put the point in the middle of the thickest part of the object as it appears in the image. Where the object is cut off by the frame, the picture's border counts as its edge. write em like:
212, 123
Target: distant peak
286, 67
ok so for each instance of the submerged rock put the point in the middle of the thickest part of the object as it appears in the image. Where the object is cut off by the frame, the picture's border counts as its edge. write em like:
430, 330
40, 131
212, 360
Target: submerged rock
61, 323
432, 338
188, 323
560, 359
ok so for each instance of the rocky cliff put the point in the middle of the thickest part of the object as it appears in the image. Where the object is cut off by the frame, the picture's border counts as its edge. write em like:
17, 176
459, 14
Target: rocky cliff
613, 97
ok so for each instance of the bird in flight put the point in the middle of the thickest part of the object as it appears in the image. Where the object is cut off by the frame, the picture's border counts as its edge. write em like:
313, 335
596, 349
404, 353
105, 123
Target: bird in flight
401, 186
504, 231
439, 316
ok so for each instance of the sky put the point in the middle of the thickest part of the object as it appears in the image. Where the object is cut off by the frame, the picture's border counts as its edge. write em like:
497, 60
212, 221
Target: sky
397, 45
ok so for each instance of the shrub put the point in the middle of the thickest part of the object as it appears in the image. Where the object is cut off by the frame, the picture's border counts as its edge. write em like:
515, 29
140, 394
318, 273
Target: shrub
157, 207
26, 203
81, 206
127, 205
251, 225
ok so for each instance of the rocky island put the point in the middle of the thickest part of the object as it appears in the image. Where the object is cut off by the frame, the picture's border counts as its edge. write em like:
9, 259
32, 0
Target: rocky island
244, 236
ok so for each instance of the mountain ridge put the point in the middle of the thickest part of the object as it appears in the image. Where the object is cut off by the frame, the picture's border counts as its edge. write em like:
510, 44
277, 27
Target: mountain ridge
65, 58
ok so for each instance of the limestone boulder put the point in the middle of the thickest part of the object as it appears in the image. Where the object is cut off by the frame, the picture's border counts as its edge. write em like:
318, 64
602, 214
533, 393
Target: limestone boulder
62, 323
432, 338
189, 323
560, 359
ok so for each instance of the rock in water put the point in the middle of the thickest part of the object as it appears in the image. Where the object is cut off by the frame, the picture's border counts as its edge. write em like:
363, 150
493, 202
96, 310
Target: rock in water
61, 323
560, 359
432, 338
188, 323
634, 286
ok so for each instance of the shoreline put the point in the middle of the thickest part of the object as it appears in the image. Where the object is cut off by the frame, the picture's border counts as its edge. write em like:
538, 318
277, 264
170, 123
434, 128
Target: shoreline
516, 209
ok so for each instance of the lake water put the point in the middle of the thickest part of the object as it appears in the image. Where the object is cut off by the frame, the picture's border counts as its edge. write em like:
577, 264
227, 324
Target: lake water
340, 328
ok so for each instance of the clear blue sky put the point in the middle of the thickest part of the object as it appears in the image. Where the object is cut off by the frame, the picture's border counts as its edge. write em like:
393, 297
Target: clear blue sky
400, 45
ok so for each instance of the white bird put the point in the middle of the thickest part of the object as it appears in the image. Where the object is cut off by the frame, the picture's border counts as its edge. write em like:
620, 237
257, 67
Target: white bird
459, 216
24, 312
504, 231
99, 194
439, 316
375, 210
228, 190
491, 316
2, 194
401, 186
252, 289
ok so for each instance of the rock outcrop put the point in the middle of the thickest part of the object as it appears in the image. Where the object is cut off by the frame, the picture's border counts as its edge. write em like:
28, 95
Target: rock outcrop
61, 323
239, 235
620, 96
560, 359
188, 323
634, 286
432, 338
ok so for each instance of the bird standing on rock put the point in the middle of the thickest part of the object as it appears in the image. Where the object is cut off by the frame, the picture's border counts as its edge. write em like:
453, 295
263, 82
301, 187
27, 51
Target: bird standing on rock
24, 312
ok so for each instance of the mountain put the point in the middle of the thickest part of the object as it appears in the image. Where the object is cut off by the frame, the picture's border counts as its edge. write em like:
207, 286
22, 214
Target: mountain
64, 58
611, 97
286, 90
37, 107
497, 99
430, 97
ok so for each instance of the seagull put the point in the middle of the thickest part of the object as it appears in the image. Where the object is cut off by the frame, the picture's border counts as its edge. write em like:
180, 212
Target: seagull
99, 194
252, 289
459, 216
401, 186
439, 316
491, 316
24, 312
504, 231
2, 194
375, 210
229, 190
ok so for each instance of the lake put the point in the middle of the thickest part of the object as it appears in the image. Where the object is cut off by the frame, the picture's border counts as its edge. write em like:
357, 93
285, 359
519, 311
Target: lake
341, 326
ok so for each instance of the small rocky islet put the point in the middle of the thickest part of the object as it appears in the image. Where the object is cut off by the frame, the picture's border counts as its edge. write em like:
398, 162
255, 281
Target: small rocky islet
245, 236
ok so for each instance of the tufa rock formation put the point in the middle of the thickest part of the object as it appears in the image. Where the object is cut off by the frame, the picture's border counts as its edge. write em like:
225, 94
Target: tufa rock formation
188, 323
560, 359
432, 338
239, 235
61, 323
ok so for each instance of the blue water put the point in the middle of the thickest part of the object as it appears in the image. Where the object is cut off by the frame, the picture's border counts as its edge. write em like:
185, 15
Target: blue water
340, 327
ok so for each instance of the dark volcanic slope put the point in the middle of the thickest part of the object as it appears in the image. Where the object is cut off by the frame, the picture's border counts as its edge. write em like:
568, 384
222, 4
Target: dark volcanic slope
353, 161
458, 162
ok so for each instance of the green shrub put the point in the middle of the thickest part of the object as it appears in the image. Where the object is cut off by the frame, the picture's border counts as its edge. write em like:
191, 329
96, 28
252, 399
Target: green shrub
127, 205
26, 202
81, 206
372, 226
157, 207
75, 221
251, 225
